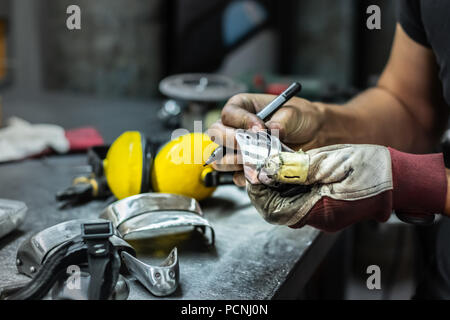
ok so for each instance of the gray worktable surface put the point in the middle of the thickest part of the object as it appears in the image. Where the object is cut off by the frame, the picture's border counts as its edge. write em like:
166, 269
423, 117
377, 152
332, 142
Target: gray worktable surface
250, 260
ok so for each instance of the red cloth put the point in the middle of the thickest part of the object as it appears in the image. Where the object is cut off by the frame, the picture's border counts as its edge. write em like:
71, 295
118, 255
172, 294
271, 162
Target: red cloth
83, 138
419, 188
276, 88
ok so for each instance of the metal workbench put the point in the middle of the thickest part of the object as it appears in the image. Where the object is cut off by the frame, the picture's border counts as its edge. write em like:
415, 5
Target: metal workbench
251, 259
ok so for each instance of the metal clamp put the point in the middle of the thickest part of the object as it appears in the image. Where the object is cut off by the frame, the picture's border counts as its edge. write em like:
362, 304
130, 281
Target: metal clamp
98, 230
35, 250
159, 280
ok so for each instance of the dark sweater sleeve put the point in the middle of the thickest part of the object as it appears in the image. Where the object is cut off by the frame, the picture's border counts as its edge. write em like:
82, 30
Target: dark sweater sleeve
410, 18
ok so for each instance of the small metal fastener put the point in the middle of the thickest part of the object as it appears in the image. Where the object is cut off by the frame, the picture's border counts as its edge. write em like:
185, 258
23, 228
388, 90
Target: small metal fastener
32, 269
172, 274
157, 275
18, 262
100, 251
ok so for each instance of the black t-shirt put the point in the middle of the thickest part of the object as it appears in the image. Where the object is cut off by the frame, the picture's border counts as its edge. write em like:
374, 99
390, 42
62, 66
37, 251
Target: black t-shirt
428, 23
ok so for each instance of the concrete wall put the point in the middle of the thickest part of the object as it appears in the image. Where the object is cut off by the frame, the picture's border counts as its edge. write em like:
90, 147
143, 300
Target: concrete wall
333, 43
324, 39
117, 52
120, 48
375, 44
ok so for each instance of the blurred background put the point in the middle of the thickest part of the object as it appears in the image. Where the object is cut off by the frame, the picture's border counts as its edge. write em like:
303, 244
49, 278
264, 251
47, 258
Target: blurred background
108, 75
126, 47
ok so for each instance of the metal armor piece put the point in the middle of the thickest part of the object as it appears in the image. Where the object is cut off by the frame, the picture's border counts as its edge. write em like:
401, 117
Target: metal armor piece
159, 280
34, 251
12, 215
151, 215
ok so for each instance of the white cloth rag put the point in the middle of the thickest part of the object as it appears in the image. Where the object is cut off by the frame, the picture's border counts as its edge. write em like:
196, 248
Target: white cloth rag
21, 139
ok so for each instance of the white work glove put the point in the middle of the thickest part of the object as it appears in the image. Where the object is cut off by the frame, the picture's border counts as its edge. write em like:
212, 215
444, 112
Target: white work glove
20, 139
348, 183
339, 172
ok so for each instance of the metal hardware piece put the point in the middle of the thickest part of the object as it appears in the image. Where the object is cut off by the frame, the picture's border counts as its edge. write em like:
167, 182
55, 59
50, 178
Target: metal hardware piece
12, 215
151, 215
98, 230
200, 87
159, 280
34, 251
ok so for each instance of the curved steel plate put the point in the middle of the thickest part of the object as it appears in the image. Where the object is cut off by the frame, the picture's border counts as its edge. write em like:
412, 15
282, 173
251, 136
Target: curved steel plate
150, 215
159, 280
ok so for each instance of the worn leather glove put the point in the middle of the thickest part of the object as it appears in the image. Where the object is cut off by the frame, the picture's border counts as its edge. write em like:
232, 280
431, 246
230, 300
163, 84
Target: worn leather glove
349, 183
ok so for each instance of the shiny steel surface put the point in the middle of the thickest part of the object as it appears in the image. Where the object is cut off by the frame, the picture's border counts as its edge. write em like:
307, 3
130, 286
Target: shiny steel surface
12, 215
159, 280
154, 214
33, 251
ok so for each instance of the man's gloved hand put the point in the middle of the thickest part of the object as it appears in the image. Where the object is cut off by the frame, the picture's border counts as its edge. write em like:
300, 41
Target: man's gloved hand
298, 124
349, 183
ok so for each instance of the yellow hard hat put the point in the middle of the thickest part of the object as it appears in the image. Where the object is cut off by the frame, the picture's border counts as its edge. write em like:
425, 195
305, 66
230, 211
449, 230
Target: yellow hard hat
178, 166
127, 165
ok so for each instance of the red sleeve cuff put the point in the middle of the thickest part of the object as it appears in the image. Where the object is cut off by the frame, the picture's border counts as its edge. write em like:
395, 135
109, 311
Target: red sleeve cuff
420, 182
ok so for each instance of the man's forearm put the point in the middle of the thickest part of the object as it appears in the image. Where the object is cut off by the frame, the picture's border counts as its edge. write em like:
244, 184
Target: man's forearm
374, 117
